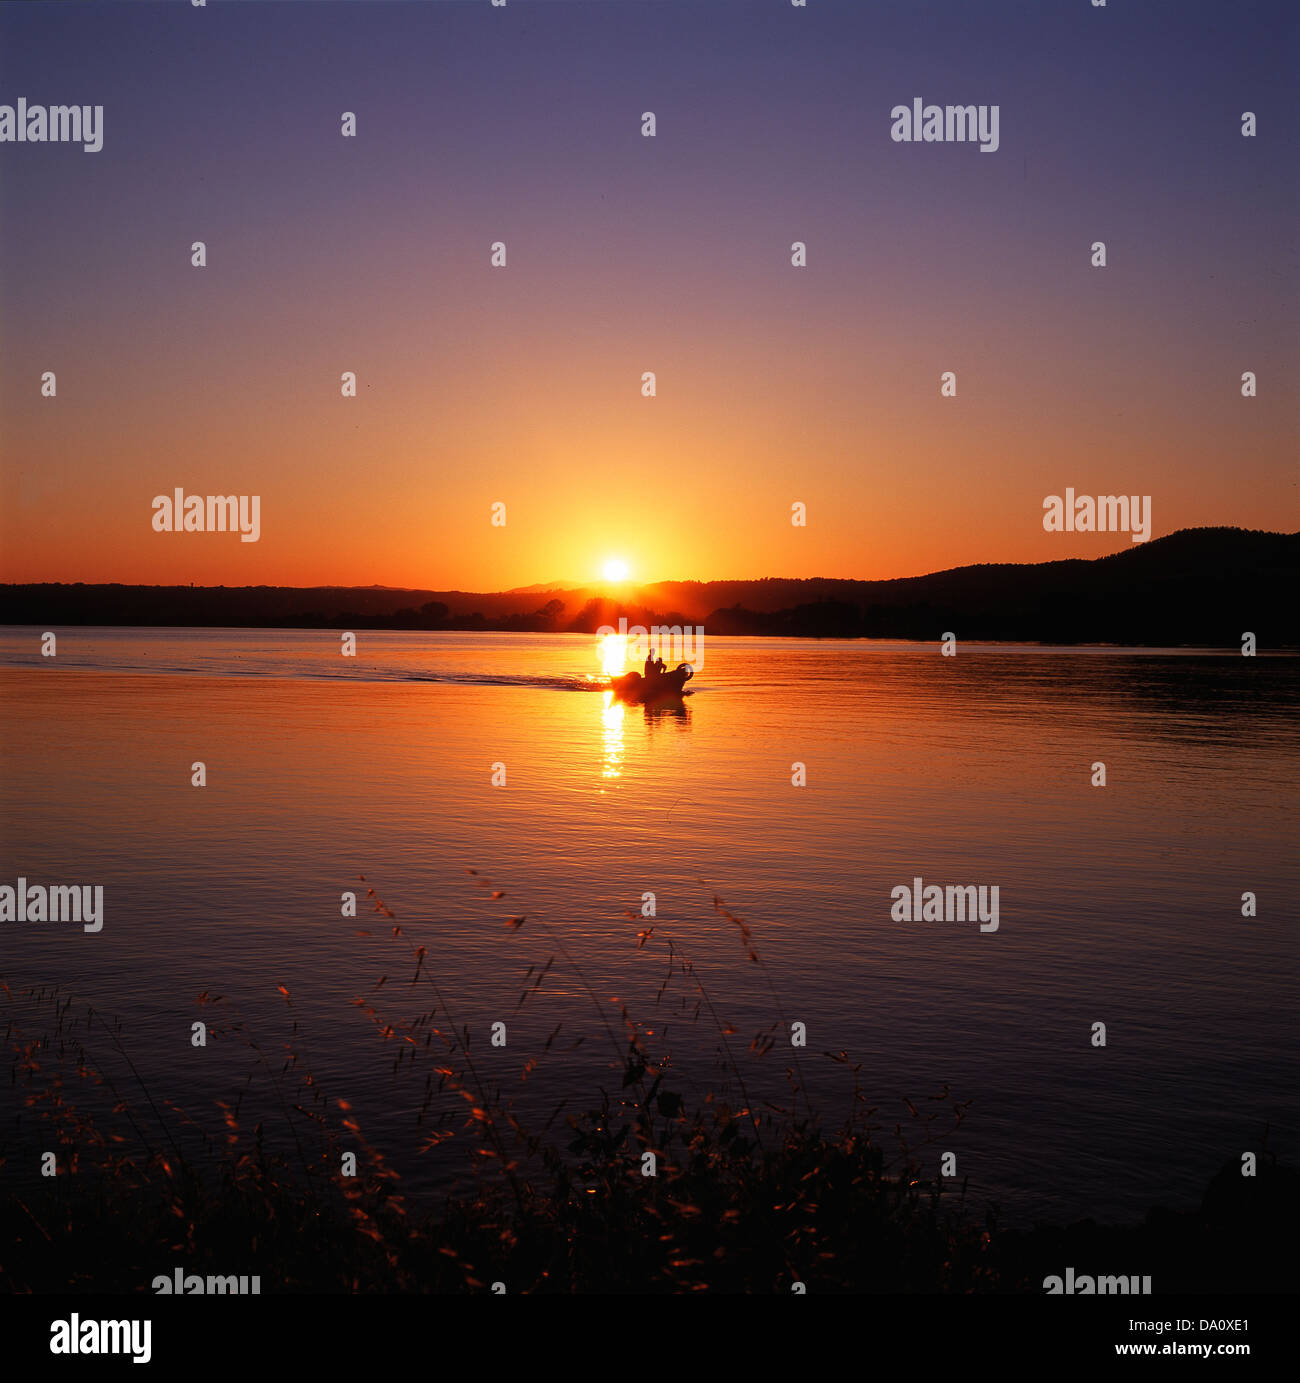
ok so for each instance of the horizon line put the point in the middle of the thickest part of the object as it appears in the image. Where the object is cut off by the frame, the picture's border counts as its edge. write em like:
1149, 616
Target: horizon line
627, 586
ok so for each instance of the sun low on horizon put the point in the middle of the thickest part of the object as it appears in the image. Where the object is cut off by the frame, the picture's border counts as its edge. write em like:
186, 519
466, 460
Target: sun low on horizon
616, 570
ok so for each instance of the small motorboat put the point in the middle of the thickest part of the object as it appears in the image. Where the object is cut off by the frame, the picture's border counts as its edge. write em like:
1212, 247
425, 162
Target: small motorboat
659, 686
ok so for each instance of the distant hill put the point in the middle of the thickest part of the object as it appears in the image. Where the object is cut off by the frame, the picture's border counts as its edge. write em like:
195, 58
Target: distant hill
1197, 586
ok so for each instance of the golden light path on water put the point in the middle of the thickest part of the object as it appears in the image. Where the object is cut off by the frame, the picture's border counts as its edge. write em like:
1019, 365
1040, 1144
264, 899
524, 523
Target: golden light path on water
612, 719
613, 654
613, 663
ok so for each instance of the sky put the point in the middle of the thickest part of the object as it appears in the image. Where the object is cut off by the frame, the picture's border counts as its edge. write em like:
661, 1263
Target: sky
522, 386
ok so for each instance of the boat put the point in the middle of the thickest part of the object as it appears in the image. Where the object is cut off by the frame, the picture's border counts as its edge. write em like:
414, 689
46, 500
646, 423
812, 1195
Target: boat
659, 686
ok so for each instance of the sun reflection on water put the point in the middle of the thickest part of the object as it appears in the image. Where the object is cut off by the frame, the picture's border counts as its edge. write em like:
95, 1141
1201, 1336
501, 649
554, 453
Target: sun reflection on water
613, 654
611, 717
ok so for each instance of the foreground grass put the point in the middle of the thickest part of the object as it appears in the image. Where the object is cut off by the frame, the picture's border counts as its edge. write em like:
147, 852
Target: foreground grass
740, 1201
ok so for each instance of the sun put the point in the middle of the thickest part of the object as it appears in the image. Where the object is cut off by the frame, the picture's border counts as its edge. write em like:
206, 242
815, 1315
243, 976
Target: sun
616, 569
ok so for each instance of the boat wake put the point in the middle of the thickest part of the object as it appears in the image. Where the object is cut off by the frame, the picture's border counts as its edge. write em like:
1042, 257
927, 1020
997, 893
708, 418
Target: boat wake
273, 668
497, 679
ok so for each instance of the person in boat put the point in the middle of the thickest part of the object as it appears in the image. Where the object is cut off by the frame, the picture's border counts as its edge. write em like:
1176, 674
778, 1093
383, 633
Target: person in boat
649, 665
660, 666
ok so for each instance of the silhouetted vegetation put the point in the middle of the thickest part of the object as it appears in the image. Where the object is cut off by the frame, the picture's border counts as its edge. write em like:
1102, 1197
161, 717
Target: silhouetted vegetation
1204, 586
745, 1199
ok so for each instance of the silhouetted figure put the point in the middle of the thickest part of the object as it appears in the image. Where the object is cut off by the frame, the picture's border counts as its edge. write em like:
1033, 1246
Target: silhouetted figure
649, 665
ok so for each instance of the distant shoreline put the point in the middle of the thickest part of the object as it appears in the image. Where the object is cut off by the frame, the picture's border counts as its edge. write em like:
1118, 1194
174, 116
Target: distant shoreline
1029, 644
1204, 587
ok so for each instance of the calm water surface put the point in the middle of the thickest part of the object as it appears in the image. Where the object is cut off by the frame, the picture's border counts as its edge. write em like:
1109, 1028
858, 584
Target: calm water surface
1119, 905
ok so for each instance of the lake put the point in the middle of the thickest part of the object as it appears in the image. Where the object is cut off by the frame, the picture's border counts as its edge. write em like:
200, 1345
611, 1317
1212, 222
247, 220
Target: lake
1119, 904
